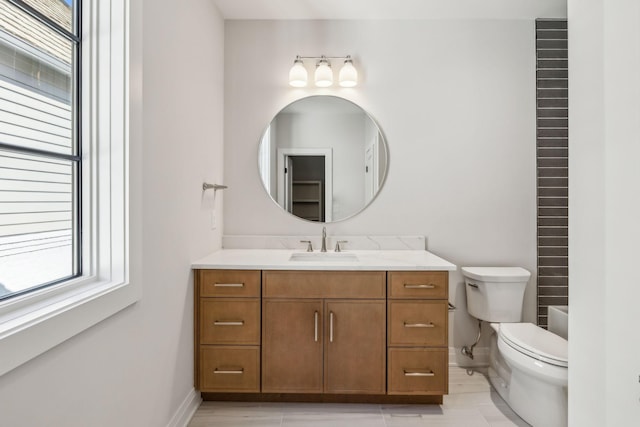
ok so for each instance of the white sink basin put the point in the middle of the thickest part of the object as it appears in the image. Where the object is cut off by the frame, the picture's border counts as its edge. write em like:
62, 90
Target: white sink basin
324, 257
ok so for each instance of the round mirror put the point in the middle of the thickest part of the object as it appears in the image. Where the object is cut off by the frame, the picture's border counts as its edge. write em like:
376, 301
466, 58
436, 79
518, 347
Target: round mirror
322, 158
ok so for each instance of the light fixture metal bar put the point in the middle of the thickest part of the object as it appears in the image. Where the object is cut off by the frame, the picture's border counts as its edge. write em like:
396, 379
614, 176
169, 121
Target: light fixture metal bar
323, 57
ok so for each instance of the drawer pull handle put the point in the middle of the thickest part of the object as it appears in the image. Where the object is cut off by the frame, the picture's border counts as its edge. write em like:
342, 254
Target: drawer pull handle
410, 286
331, 326
228, 285
228, 323
419, 325
419, 374
229, 371
315, 326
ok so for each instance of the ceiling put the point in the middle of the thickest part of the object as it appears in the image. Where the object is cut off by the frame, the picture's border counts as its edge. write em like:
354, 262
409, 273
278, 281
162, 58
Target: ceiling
392, 9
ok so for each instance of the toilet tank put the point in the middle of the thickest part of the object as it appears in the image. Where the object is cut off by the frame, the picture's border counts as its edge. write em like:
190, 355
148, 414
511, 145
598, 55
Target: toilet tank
495, 294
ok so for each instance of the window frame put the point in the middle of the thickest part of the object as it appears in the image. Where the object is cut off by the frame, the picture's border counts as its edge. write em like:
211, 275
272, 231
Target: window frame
32, 323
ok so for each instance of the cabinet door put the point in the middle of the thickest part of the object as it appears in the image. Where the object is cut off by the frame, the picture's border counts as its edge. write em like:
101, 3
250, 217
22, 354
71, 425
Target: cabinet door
355, 347
292, 346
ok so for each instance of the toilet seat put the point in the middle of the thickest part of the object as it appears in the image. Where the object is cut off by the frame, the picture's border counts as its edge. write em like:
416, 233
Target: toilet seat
535, 342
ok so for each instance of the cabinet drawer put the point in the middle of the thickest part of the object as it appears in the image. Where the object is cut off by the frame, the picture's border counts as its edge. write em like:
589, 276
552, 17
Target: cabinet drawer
417, 371
229, 369
422, 323
229, 321
418, 284
324, 284
229, 283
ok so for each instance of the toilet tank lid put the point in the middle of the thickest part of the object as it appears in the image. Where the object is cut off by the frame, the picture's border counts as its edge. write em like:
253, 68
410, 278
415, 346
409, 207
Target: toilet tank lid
496, 274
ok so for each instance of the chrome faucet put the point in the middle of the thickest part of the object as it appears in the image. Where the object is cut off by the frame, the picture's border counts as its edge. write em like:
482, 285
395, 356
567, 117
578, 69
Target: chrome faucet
324, 240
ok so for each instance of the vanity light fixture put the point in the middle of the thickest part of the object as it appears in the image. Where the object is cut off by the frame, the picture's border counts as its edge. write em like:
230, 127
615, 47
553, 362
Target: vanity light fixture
298, 74
324, 73
323, 76
348, 73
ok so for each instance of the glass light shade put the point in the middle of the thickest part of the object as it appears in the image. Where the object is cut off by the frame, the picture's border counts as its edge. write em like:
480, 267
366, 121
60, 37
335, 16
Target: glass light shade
324, 74
298, 74
348, 74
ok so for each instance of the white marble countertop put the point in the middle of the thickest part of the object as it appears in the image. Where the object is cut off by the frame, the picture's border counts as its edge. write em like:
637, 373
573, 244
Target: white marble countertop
279, 259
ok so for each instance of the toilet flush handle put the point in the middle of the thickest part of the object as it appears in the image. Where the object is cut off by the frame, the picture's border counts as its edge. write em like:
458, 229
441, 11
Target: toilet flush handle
473, 285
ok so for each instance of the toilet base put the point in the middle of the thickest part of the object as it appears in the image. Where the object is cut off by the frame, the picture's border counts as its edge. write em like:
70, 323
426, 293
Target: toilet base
539, 403
499, 372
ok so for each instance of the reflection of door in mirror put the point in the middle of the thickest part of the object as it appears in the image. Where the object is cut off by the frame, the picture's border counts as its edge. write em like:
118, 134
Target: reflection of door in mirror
372, 159
304, 178
370, 171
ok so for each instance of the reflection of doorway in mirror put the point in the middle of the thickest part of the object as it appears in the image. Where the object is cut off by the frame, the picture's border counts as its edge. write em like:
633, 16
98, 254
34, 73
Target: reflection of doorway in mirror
305, 185
372, 169
305, 179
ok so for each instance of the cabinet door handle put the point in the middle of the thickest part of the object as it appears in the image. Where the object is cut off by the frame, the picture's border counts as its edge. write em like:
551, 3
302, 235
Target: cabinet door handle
228, 323
331, 326
419, 374
228, 371
228, 285
315, 326
410, 286
419, 325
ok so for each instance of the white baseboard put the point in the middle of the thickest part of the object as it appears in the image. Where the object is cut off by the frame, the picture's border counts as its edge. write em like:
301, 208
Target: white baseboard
480, 358
185, 411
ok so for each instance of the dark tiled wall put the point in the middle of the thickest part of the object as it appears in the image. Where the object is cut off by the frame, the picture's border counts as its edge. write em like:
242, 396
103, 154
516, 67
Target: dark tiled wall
552, 164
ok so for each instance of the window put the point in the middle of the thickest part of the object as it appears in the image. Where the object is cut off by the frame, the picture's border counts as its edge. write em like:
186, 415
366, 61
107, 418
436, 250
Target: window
64, 170
40, 150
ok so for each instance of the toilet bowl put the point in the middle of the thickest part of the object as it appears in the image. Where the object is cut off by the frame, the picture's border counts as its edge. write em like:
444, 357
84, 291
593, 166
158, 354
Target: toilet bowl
535, 375
528, 364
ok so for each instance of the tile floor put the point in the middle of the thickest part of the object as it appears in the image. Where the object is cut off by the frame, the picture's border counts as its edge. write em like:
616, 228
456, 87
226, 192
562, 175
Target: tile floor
471, 403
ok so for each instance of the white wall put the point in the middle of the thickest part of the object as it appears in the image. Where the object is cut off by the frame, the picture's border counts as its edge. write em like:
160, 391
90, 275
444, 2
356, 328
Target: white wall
456, 103
604, 231
135, 368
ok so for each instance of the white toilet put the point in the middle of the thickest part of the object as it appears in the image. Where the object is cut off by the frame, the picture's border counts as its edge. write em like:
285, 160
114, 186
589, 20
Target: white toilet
528, 364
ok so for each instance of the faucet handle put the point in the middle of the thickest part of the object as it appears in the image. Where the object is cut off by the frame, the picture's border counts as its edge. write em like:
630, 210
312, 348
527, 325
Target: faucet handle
309, 247
338, 248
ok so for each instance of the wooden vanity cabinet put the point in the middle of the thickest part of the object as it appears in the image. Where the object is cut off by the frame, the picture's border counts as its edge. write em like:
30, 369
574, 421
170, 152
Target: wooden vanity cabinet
227, 330
417, 333
323, 332
367, 334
